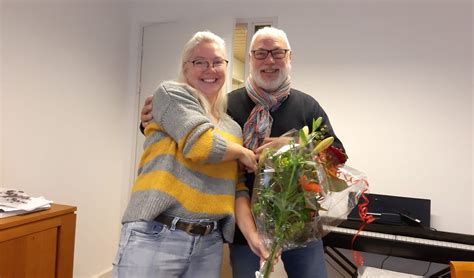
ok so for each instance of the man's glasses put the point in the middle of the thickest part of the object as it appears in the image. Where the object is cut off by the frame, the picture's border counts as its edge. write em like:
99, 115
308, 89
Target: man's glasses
261, 54
204, 64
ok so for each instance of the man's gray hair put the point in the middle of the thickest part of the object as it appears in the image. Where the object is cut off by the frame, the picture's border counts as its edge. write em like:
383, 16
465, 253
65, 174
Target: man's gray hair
270, 31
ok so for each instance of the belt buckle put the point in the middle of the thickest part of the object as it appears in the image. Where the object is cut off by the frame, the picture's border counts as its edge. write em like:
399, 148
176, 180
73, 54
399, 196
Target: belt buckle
190, 229
208, 229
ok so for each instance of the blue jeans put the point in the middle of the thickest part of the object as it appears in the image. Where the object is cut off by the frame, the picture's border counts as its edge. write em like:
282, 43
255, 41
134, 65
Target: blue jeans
305, 262
151, 249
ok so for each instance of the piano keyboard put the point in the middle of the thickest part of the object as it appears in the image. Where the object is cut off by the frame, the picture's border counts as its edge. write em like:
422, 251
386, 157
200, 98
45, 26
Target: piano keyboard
401, 238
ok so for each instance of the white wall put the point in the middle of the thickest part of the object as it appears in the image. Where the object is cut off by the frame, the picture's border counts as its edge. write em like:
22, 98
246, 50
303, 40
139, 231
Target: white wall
1, 96
395, 78
66, 115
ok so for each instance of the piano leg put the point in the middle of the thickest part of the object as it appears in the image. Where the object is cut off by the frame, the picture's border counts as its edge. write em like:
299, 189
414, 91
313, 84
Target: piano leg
341, 260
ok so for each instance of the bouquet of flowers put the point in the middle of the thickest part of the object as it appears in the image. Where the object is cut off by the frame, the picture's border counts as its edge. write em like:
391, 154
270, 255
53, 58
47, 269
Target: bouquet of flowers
301, 190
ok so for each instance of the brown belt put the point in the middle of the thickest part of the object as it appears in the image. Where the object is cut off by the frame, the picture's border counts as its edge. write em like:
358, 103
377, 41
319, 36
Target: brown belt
192, 228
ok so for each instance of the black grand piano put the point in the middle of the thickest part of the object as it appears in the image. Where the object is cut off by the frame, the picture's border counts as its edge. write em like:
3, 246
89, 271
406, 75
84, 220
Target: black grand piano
401, 229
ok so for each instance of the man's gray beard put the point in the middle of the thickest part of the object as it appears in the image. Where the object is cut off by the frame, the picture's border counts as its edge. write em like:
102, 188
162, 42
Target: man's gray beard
271, 85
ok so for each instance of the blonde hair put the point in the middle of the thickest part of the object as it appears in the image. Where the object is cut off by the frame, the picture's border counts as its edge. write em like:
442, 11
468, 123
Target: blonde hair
220, 105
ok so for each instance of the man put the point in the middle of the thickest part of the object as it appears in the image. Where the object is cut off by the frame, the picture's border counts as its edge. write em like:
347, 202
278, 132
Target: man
265, 109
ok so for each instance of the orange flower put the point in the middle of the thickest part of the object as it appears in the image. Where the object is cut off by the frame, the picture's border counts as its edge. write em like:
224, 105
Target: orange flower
309, 186
303, 180
332, 171
312, 187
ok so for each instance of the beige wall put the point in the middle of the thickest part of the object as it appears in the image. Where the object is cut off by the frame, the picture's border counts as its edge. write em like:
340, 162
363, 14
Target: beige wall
66, 115
395, 78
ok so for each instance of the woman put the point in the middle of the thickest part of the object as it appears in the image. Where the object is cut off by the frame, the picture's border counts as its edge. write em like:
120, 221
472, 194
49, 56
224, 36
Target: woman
182, 204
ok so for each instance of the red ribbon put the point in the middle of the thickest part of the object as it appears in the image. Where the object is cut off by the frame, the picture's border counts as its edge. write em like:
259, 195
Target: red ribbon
366, 219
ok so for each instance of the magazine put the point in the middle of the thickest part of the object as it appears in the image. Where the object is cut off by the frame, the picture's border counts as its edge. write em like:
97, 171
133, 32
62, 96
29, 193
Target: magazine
14, 202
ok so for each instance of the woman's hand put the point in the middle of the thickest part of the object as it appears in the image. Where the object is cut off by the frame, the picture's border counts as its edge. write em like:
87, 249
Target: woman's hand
257, 247
246, 157
248, 160
246, 224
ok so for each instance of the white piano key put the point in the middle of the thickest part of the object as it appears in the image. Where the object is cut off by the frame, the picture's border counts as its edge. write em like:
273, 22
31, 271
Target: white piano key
401, 238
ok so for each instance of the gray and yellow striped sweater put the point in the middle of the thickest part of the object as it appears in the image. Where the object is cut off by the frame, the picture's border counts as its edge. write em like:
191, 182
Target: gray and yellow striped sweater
181, 171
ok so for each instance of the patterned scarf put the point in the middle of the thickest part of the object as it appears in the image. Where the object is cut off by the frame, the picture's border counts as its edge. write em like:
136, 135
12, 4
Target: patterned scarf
259, 123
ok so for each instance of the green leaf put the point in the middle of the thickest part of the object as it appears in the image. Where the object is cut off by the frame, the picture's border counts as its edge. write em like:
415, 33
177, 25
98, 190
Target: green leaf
303, 139
317, 123
336, 184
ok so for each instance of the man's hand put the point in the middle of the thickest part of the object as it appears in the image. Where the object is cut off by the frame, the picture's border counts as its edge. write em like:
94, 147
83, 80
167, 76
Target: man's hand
272, 142
146, 115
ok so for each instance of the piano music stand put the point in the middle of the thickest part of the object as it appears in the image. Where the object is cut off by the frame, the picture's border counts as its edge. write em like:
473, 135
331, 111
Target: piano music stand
396, 210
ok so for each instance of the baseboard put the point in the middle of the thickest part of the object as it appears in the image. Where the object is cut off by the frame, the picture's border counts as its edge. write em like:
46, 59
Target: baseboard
104, 274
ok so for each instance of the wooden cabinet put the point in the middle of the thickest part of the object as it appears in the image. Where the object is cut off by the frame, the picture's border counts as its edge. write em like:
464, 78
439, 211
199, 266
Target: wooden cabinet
39, 244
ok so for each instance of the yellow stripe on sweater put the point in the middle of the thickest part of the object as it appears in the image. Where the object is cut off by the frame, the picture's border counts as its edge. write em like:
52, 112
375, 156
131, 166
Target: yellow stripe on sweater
153, 126
201, 148
191, 199
167, 146
241, 187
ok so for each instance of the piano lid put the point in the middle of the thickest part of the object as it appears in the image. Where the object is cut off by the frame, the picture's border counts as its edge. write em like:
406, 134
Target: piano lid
396, 210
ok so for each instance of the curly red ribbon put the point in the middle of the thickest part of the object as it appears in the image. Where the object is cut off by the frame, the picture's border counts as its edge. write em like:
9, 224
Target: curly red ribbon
366, 219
